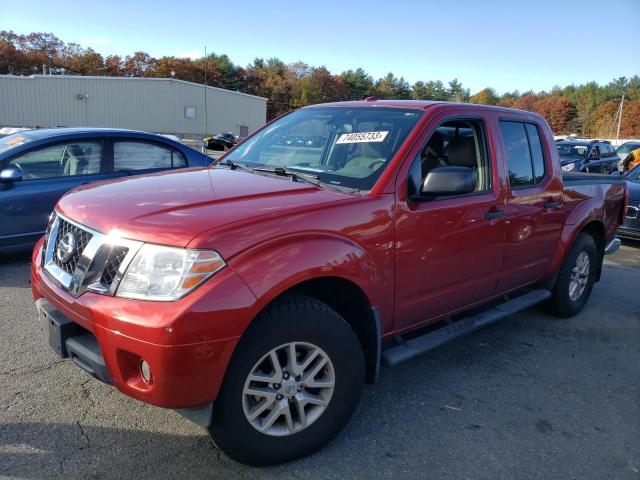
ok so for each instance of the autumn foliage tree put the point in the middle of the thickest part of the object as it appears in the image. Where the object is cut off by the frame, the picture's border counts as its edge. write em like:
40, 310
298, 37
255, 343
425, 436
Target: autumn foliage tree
587, 109
557, 111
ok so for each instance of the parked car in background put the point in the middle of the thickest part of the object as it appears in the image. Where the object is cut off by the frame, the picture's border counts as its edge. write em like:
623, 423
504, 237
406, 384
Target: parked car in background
623, 150
592, 156
221, 141
38, 166
631, 226
4, 131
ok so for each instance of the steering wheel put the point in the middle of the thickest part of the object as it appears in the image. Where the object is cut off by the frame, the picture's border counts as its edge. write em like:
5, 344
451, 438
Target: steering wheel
376, 165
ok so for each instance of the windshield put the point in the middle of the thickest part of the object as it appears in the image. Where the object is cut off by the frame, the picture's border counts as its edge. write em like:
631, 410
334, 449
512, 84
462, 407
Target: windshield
341, 146
569, 150
627, 147
633, 174
12, 141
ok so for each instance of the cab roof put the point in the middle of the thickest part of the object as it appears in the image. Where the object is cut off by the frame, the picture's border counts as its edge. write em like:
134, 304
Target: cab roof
418, 104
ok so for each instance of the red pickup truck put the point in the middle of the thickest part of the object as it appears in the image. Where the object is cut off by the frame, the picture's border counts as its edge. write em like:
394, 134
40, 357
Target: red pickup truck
258, 295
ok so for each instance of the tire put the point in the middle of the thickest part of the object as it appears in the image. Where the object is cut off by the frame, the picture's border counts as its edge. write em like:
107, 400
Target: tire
567, 299
306, 323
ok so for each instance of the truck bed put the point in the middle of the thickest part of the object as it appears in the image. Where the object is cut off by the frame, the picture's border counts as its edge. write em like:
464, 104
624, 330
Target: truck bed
579, 178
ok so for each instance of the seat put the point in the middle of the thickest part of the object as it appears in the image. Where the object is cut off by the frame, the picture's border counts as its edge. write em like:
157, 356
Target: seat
462, 152
433, 154
75, 163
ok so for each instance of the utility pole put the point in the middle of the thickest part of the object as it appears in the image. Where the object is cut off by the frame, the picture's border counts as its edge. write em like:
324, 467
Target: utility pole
206, 113
620, 118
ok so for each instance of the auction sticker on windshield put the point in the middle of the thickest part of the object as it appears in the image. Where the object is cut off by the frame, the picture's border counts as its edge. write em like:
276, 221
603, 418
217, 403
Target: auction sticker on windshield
362, 137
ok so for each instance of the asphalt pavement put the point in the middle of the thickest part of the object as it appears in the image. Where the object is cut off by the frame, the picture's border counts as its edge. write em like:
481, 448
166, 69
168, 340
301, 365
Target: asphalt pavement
532, 397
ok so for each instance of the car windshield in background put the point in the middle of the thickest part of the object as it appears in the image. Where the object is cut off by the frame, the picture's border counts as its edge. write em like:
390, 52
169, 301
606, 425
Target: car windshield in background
627, 147
634, 174
12, 141
569, 150
340, 146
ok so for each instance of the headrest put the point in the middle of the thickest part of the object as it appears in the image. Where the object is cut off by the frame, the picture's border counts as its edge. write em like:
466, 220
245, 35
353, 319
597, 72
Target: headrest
462, 151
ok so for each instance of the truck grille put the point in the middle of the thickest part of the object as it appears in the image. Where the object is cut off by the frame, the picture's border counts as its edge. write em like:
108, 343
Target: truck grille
81, 237
80, 259
112, 265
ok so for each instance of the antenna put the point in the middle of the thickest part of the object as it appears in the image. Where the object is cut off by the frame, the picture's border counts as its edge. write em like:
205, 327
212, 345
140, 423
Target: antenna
206, 112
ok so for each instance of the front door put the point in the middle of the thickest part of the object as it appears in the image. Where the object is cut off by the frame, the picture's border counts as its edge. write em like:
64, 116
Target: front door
47, 174
449, 248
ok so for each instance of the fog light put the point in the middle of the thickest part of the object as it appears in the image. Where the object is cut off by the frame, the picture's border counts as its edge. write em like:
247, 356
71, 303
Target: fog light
145, 369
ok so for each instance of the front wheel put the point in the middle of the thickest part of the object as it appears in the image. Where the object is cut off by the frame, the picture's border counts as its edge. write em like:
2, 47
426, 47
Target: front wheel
291, 386
575, 278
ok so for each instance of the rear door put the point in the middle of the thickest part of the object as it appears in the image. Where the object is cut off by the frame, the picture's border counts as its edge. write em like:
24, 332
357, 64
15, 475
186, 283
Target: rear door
48, 172
534, 210
449, 248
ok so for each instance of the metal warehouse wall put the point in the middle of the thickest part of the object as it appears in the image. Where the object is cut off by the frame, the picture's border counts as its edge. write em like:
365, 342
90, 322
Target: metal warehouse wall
156, 105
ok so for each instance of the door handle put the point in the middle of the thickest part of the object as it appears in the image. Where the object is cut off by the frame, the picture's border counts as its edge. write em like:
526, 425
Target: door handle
551, 204
493, 214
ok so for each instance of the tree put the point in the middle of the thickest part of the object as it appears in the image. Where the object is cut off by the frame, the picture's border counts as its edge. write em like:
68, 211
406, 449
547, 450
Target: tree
587, 109
456, 92
359, 85
141, 64
602, 122
525, 102
557, 111
392, 87
113, 66
630, 126
486, 96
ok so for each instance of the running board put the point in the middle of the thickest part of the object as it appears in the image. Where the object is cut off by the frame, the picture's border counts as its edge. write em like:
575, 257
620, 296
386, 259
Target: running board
416, 346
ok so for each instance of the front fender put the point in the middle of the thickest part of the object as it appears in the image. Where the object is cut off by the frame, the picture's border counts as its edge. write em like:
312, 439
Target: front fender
273, 267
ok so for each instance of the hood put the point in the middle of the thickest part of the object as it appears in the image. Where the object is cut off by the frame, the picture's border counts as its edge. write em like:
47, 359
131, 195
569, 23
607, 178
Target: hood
171, 208
568, 160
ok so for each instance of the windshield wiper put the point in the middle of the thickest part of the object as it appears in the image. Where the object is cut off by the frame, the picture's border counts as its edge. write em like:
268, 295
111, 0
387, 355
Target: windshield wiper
234, 165
296, 176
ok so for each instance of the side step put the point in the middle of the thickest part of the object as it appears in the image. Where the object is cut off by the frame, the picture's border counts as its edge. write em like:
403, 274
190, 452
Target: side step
419, 345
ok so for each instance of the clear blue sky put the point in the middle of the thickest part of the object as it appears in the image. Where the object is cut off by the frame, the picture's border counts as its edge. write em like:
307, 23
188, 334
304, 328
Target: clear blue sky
504, 44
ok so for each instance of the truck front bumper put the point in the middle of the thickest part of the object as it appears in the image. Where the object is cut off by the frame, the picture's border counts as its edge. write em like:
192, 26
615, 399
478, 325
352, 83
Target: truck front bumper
186, 344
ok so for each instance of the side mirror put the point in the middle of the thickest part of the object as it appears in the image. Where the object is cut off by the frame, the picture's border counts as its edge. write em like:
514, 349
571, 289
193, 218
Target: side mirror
453, 180
10, 174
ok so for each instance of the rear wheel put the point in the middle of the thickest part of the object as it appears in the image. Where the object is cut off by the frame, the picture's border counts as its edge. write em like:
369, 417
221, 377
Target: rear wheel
575, 278
291, 386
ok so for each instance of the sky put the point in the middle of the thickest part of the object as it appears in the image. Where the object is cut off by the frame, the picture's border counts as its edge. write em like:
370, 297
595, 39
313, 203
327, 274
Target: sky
506, 45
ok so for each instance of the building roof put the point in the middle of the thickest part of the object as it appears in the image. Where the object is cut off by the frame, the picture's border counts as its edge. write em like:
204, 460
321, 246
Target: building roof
147, 79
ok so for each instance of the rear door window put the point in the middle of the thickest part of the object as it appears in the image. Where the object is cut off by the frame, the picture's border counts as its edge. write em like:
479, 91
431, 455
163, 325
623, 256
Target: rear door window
536, 152
134, 155
525, 156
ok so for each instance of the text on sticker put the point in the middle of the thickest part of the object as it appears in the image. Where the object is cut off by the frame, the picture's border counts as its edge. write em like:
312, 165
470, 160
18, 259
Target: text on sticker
362, 137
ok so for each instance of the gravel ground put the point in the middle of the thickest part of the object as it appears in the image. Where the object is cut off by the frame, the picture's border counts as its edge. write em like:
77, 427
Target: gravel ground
530, 397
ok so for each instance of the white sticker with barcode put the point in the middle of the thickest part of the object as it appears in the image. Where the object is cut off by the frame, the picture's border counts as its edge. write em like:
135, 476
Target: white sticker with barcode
362, 137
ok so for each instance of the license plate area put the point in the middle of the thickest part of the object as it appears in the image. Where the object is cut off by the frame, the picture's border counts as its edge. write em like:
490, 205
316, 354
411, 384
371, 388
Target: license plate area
55, 327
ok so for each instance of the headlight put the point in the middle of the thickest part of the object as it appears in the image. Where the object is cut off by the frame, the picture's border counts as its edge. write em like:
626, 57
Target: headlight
569, 167
167, 273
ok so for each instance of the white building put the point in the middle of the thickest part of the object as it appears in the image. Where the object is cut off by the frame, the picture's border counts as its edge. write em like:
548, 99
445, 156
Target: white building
160, 105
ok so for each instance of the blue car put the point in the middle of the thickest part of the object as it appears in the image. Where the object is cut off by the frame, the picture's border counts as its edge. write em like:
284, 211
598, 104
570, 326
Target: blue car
38, 166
